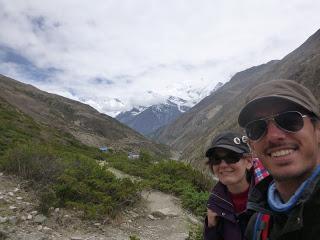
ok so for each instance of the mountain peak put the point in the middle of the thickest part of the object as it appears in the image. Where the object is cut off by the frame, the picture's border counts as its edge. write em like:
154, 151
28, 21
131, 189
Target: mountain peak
148, 119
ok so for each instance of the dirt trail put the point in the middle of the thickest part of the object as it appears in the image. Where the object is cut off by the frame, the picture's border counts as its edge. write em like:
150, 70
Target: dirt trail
157, 216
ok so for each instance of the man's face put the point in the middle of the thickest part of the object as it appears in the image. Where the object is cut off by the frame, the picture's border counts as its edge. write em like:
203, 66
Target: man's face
287, 155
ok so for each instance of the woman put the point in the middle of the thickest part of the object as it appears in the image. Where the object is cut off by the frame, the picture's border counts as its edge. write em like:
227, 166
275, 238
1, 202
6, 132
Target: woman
230, 161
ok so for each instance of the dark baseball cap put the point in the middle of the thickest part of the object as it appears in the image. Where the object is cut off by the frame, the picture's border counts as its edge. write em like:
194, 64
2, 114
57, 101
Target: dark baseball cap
231, 141
281, 89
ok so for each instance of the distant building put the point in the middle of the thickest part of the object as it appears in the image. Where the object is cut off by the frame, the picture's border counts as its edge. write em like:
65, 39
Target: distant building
104, 149
132, 155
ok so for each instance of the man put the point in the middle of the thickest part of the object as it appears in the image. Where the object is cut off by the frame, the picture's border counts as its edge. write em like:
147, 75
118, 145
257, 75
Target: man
281, 120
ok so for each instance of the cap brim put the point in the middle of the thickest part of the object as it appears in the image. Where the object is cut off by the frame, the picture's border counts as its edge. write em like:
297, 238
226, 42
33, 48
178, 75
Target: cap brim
246, 115
210, 151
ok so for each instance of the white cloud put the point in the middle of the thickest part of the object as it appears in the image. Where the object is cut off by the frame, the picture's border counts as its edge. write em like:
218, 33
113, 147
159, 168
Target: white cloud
161, 46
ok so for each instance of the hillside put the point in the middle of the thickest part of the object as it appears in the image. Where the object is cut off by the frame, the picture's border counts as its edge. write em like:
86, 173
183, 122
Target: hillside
191, 133
45, 170
83, 122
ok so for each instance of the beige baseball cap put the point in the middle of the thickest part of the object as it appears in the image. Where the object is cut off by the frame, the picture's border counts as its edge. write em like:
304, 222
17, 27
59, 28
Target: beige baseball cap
288, 90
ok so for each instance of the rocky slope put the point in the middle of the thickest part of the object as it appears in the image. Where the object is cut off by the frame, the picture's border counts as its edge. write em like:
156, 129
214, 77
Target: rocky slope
191, 133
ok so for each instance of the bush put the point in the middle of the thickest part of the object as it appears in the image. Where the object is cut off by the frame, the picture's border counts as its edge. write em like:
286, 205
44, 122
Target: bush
38, 164
169, 176
87, 186
67, 179
48, 199
133, 237
196, 233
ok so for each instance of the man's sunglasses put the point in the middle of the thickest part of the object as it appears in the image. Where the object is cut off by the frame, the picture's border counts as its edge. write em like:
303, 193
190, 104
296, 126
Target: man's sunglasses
291, 121
230, 158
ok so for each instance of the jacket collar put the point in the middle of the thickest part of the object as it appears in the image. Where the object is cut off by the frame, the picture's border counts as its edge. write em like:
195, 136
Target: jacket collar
294, 220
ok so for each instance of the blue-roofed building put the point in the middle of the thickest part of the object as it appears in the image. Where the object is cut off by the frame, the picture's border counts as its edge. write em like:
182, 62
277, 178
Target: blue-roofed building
104, 149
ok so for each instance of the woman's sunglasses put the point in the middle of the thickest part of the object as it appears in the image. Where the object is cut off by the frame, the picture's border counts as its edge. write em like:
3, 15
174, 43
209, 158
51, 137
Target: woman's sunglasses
230, 158
291, 121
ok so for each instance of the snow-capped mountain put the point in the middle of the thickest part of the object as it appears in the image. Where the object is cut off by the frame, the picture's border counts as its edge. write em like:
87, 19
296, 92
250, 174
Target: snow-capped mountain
194, 95
148, 119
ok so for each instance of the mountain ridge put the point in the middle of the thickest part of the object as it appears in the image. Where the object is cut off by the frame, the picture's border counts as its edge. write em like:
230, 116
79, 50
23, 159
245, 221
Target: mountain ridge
192, 132
146, 120
80, 120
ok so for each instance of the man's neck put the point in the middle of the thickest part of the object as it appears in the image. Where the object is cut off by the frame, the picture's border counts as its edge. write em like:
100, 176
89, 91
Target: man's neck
286, 189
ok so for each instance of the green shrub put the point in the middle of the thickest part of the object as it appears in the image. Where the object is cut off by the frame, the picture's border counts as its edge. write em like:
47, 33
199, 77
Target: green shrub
169, 176
68, 179
87, 186
133, 237
195, 233
30, 162
48, 199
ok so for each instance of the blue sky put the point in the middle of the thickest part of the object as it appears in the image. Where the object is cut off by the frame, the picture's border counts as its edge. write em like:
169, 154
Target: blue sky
116, 54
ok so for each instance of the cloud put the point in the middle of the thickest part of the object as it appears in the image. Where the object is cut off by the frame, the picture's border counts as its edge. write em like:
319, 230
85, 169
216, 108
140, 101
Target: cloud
101, 50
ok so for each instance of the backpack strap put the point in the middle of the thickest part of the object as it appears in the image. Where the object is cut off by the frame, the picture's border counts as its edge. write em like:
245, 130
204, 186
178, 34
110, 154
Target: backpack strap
265, 231
261, 227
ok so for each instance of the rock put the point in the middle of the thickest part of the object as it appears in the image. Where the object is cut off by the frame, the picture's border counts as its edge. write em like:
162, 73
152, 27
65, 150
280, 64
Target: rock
19, 198
151, 217
16, 189
3, 219
13, 220
10, 193
23, 218
12, 207
29, 217
40, 218
165, 212
45, 228
133, 214
76, 238
34, 212
3, 235
39, 228
56, 210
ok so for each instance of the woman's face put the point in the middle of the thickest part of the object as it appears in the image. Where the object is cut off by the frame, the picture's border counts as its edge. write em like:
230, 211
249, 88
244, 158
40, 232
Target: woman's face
231, 174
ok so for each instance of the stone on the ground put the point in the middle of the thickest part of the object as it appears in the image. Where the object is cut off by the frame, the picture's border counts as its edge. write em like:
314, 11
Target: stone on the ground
165, 212
76, 238
40, 218
12, 207
3, 219
12, 219
151, 217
